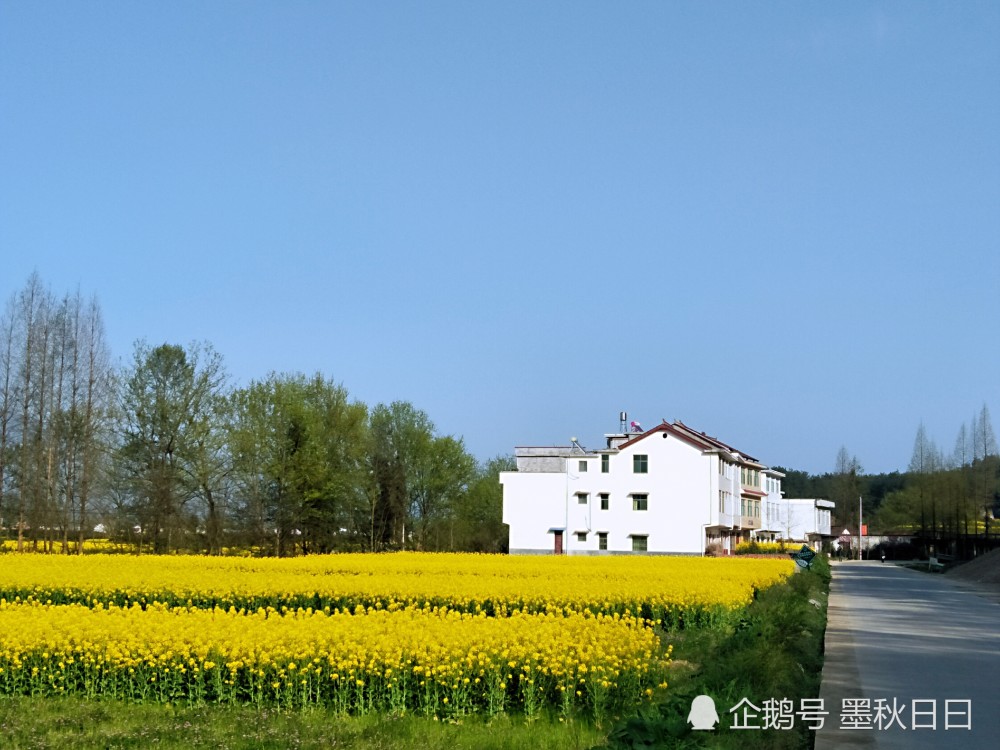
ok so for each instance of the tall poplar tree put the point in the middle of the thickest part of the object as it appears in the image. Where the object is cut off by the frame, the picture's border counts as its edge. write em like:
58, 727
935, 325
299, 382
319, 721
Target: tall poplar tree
8, 398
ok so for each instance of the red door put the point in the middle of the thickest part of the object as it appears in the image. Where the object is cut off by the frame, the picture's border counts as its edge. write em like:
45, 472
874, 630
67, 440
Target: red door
558, 542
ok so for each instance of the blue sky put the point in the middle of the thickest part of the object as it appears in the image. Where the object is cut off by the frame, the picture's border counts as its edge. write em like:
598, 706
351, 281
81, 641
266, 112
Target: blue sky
778, 222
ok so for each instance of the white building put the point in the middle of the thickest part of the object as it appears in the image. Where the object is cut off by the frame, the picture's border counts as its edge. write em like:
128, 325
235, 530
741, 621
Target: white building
805, 520
669, 490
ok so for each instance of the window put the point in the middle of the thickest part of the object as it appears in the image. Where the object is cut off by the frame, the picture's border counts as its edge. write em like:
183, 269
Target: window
583, 466
640, 463
639, 543
581, 536
602, 540
605, 463
605, 500
640, 502
582, 498
722, 501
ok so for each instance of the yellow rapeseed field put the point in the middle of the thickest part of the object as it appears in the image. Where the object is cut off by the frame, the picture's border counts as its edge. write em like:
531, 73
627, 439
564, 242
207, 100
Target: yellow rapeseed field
676, 590
423, 660
437, 634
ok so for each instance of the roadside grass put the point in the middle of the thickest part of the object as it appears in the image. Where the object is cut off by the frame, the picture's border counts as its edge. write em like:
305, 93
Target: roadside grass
775, 652
42, 723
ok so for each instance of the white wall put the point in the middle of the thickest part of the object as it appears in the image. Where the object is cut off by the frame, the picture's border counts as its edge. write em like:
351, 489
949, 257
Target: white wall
807, 516
682, 485
532, 504
772, 517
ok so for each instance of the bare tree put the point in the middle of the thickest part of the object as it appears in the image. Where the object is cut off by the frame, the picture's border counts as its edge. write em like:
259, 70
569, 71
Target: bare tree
984, 452
846, 488
8, 395
33, 306
95, 406
984, 441
924, 462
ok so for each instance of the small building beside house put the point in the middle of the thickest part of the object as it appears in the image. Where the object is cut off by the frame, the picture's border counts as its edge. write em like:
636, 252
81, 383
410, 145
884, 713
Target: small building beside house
805, 520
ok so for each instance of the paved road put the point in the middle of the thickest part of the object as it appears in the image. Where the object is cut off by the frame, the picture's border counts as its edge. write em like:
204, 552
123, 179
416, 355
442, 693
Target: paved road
913, 641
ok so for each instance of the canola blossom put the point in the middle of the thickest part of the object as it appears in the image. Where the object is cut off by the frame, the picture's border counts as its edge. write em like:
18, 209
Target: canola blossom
676, 591
434, 634
420, 660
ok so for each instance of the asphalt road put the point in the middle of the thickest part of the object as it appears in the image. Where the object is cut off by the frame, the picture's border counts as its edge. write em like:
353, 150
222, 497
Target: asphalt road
909, 649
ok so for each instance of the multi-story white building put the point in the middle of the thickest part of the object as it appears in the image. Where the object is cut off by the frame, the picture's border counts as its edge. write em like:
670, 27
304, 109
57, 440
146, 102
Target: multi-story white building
668, 490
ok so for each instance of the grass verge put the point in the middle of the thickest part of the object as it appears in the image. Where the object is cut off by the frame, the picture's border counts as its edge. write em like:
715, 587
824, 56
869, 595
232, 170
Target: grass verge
77, 723
774, 653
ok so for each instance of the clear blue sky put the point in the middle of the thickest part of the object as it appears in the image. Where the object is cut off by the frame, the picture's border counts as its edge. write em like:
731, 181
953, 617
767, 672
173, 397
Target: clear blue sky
778, 222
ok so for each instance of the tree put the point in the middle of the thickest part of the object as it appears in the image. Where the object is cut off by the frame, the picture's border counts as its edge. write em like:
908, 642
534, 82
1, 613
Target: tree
899, 513
33, 303
399, 434
924, 462
441, 473
962, 455
479, 523
80, 387
984, 466
335, 490
167, 402
53, 368
95, 405
419, 481
298, 448
846, 487
7, 395
984, 442
206, 468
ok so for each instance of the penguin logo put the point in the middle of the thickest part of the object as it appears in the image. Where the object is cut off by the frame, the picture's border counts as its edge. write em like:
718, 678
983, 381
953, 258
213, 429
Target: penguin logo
703, 715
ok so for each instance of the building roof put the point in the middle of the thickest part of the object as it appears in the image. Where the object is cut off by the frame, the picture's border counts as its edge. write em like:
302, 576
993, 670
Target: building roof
664, 427
698, 439
562, 451
714, 441
678, 429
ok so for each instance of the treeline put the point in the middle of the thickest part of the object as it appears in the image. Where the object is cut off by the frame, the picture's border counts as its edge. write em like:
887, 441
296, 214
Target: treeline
948, 500
164, 453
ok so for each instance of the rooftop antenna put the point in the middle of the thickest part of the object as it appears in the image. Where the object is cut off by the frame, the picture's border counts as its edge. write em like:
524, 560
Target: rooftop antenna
623, 421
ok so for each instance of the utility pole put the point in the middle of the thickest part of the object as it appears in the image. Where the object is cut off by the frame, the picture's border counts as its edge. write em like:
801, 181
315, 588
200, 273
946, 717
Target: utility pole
861, 533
